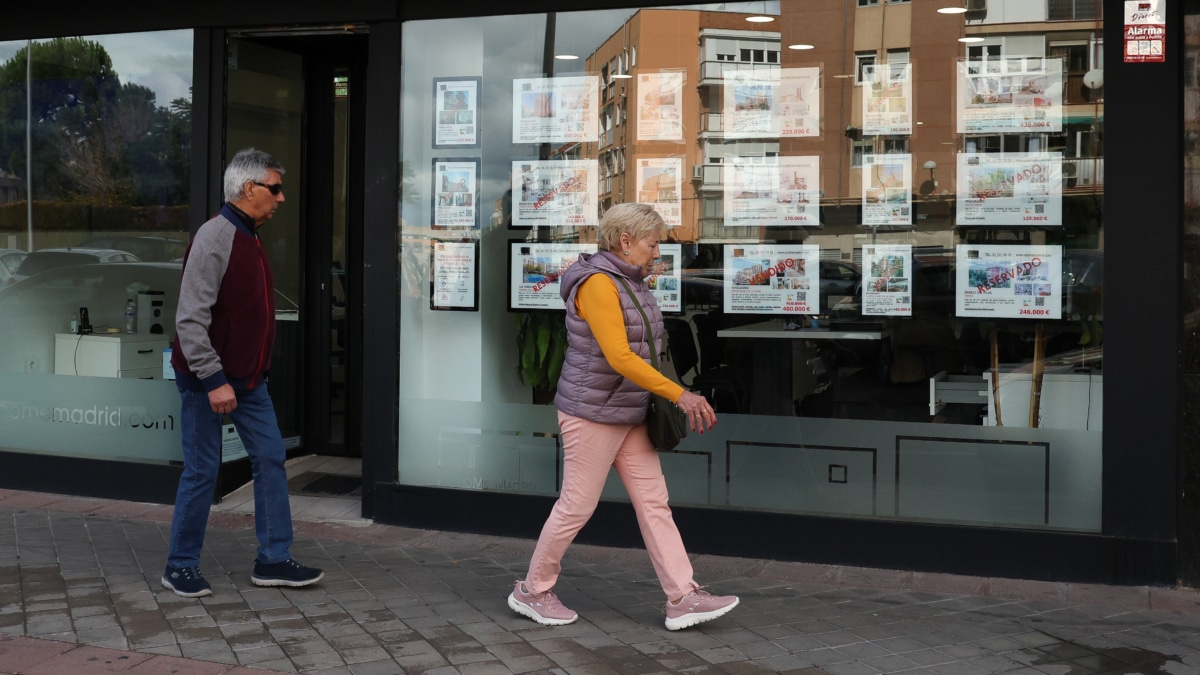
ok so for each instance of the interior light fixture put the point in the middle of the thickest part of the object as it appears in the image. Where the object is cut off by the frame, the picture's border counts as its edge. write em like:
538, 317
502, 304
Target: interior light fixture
970, 39
800, 46
622, 76
952, 10
566, 57
842, 77
759, 18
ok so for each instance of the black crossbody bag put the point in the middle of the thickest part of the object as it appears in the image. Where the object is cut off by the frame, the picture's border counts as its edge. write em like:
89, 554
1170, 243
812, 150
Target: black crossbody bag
666, 423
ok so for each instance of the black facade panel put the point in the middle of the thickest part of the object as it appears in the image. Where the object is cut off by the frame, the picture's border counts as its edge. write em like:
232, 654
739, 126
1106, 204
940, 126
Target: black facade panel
1142, 210
380, 265
104, 479
100, 18
1024, 554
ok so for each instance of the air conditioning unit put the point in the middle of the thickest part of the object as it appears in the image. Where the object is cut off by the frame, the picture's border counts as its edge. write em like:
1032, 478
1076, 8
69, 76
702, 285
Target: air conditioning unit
977, 6
697, 172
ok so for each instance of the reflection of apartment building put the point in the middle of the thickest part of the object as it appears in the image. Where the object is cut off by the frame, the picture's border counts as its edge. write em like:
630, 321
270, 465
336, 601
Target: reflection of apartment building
701, 45
1007, 36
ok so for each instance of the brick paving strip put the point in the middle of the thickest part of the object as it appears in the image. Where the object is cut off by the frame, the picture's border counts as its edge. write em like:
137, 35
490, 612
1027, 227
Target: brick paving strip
79, 581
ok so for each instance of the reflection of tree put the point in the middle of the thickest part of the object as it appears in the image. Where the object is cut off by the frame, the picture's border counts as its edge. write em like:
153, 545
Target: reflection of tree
409, 194
94, 139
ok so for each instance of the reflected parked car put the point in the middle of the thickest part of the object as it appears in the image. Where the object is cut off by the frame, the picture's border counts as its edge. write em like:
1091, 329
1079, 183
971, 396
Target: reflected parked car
52, 258
34, 310
838, 280
146, 248
10, 260
706, 287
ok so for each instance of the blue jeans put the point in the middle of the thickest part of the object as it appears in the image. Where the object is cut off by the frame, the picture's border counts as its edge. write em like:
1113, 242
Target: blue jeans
254, 419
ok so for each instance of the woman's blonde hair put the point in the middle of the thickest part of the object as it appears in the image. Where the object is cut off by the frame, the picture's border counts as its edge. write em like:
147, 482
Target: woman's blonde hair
637, 220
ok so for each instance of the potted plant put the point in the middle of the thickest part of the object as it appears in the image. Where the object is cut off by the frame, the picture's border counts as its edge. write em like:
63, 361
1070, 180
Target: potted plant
541, 347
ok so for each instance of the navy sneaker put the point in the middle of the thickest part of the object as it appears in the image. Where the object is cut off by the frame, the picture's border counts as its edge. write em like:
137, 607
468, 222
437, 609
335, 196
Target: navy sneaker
186, 581
286, 573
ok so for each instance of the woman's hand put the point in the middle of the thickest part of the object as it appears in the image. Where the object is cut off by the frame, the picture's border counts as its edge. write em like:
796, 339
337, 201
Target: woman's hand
700, 414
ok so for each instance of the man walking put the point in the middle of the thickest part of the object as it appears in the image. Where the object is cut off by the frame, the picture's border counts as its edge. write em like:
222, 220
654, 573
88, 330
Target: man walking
224, 330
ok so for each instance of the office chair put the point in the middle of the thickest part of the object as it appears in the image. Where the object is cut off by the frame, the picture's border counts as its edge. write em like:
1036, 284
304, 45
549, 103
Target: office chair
717, 384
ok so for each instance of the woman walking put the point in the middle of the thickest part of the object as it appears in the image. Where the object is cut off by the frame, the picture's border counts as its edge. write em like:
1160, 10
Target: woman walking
602, 396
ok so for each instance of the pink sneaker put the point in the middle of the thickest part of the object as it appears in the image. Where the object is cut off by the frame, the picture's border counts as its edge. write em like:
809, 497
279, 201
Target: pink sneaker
543, 608
697, 607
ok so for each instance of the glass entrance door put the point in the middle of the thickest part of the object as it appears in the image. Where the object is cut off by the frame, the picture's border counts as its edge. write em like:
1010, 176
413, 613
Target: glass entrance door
295, 97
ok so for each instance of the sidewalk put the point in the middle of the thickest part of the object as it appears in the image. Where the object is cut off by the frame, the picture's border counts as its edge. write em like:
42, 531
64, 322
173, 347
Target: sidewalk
80, 593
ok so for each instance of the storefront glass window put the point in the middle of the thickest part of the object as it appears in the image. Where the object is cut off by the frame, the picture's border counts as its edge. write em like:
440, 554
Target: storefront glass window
94, 179
885, 265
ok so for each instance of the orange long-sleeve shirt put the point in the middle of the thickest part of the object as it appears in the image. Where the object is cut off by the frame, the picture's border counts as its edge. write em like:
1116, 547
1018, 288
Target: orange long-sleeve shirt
598, 302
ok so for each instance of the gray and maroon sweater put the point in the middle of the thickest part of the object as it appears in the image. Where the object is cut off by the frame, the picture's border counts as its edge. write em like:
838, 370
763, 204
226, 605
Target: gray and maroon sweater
225, 323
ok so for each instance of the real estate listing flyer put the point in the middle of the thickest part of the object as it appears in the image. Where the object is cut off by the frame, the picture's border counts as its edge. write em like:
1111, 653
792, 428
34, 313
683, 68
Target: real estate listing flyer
456, 112
664, 280
660, 106
555, 193
782, 192
887, 189
1017, 95
660, 184
1006, 188
887, 99
800, 102
1017, 282
454, 275
534, 272
456, 194
749, 107
555, 109
772, 278
887, 280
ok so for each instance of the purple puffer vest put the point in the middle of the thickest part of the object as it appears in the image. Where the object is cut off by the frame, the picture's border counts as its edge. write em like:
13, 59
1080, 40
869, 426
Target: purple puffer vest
588, 387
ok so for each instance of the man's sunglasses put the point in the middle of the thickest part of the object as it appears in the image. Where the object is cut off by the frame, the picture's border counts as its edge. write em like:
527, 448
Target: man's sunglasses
275, 188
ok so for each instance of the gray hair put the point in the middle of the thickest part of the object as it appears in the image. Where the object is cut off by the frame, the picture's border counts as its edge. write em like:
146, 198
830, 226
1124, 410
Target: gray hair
637, 220
247, 166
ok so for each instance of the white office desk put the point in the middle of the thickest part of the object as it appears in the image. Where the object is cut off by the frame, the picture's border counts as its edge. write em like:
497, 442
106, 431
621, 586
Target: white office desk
130, 355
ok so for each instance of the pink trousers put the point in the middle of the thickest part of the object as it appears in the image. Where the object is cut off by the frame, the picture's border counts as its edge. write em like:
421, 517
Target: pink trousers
589, 449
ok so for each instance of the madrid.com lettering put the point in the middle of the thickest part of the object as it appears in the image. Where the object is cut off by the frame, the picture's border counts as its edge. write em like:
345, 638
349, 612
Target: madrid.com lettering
1005, 275
100, 416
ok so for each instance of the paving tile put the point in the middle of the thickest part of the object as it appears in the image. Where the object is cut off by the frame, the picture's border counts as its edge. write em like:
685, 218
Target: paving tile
386, 605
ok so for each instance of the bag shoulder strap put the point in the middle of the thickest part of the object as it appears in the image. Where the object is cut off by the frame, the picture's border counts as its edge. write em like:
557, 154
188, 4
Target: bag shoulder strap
645, 320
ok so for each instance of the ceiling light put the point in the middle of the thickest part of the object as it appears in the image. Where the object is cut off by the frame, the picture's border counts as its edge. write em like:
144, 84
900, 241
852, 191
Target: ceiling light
952, 10
842, 77
800, 46
760, 19
566, 57
622, 76
970, 39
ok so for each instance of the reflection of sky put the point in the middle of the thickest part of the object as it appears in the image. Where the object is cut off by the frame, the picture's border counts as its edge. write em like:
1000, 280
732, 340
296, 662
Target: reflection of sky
160, 61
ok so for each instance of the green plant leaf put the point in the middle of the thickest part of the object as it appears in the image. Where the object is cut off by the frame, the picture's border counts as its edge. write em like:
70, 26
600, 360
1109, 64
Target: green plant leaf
558, 352
529, 358
544, 329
